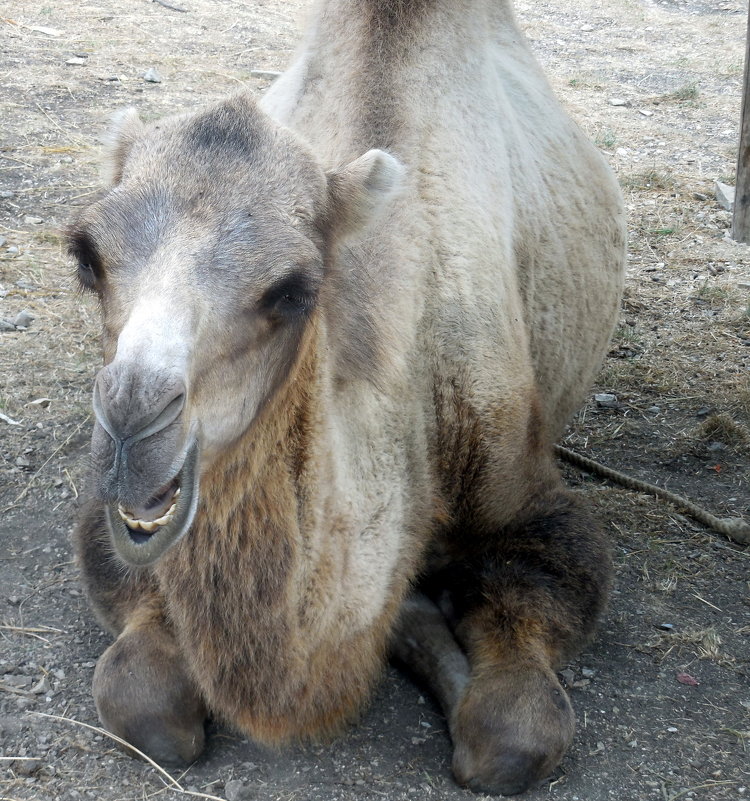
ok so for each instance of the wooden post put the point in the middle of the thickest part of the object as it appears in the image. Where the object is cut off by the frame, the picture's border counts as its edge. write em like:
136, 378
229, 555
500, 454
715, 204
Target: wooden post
741, 218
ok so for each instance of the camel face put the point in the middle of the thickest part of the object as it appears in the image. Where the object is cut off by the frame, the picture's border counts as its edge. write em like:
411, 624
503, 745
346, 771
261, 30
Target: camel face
208, 254
208, 265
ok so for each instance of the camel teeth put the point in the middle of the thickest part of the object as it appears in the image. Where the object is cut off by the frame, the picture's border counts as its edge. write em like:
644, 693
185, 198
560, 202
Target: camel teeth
166, 517
148, 525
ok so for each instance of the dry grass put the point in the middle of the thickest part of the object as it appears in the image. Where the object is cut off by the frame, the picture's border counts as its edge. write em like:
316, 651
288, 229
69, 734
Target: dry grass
723, 428
688, 93
650, 181
700, 643
170, 782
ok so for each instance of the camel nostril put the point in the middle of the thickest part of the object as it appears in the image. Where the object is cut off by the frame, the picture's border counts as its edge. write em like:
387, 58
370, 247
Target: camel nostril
132, 404
167, 416
100, 412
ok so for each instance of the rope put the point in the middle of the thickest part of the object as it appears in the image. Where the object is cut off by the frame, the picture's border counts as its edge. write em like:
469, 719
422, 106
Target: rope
735, 528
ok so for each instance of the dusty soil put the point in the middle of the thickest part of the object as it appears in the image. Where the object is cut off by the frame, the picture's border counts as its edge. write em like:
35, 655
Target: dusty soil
663, 695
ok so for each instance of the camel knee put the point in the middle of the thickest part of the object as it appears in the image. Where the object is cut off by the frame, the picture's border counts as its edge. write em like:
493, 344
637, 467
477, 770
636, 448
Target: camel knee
144, 696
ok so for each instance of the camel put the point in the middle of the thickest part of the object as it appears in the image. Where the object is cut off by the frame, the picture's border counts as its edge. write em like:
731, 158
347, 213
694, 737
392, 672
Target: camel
342, 329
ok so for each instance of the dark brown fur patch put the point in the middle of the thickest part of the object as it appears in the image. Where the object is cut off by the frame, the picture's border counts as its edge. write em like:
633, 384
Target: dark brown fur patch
538, 586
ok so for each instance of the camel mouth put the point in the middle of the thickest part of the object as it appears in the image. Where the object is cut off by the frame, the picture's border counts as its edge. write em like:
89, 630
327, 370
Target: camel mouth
157, 512
141, 534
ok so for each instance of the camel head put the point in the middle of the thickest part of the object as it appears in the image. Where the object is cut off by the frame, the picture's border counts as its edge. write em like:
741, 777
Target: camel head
209, 253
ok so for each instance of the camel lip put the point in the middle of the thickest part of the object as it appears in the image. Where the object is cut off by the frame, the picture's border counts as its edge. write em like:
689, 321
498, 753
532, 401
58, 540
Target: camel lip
141, 535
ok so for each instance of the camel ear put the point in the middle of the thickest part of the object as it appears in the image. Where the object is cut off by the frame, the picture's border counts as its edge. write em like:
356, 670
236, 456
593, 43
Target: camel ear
124, 130
361, 190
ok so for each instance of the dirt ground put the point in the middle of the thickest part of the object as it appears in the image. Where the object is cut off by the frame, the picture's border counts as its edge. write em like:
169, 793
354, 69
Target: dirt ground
663, 694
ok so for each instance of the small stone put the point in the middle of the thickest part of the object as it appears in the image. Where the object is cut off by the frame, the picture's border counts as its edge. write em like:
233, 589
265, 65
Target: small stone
269, 75
6, 325
605, 400
672, 729
715, 447
704, 412
666, 626
23, 284
3, 240
587, 28
587, 673
645, 112
9, 725
700, 196
41, 687
13, 250
236, 790
725, 195
23, 463
653, 409
618, 101
568, 677
76, 61
7, 194
26, 767
29, 220
151, 75
17, 680
23, 319
45, 30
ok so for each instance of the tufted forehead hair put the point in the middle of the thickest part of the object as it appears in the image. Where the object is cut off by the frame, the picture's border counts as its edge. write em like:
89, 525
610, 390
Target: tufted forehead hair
231, 146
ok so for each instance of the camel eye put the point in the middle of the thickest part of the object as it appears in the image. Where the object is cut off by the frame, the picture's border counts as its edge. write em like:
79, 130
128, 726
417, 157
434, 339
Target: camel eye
292, 297
294, 302
86, 273
89, 268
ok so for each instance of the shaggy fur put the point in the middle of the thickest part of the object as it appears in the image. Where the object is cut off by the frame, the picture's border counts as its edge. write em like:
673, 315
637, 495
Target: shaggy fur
371, 363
